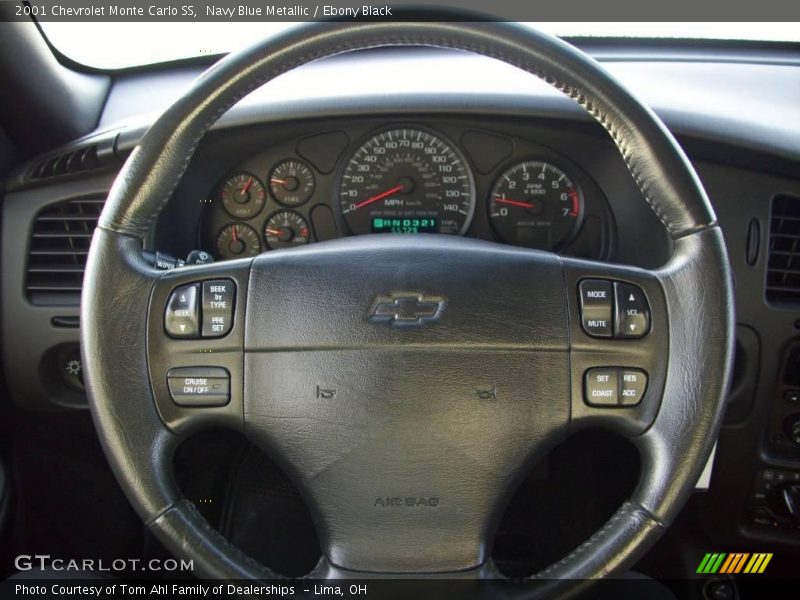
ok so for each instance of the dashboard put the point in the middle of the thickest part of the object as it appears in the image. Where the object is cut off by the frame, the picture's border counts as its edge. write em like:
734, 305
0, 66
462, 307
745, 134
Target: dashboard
406, 178
531, 183
305, 161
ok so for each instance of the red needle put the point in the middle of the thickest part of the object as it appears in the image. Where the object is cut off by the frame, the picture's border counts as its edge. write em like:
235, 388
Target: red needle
515, 202
247, 185
274, 231
278, 181
235, 235
380, 196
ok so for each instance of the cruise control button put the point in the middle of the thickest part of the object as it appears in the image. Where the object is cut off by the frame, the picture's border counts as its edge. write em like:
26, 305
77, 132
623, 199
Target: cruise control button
596, 307
601, 387
632, 313
199, 386
633, 384
182, 314
218, 298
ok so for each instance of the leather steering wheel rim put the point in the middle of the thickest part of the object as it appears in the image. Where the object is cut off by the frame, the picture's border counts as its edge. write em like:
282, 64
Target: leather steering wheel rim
696, 283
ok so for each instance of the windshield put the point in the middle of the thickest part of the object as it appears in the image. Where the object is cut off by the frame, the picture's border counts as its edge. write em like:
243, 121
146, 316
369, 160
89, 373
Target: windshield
119, 45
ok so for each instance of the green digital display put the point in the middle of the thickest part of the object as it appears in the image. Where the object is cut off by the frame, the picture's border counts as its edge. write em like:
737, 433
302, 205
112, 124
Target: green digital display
404, 225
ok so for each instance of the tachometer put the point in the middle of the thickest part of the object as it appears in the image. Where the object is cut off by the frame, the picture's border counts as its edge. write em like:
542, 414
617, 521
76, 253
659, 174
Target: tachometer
535, 204
407, 181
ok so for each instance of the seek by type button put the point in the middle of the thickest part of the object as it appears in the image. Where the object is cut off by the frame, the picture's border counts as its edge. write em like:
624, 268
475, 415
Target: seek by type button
596, 307
218, 299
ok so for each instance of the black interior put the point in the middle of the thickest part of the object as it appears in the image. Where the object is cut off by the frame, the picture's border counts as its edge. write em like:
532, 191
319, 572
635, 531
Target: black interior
62, 497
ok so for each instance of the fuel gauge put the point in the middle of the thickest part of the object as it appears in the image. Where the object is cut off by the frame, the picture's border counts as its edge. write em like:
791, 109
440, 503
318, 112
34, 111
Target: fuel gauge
292, 183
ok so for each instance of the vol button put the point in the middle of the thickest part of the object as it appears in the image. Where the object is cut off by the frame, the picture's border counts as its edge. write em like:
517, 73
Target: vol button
632, 311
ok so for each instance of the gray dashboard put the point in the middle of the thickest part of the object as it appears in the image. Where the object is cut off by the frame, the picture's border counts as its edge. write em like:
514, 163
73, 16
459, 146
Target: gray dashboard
736, 113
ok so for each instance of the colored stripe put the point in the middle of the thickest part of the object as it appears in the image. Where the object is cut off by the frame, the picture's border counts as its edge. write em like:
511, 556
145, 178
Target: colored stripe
740, 564
727, 564
702, 567
717, 563
765, 563
710, 564
752, 566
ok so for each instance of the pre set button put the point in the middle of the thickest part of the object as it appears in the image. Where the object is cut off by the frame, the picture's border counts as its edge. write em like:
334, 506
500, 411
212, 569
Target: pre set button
203, 309
218, 297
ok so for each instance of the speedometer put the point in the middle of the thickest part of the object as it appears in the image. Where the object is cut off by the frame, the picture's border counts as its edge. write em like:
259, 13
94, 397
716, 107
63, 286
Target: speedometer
407, 181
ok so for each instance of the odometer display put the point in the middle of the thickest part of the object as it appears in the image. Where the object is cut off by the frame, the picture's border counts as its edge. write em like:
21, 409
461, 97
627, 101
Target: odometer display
404, 225
407, 181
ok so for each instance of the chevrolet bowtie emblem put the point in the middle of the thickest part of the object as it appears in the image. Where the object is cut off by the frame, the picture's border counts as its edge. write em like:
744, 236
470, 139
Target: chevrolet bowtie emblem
406, 309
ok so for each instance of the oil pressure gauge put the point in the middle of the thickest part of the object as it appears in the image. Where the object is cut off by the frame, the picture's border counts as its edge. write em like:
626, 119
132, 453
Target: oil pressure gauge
238, 240
536, 205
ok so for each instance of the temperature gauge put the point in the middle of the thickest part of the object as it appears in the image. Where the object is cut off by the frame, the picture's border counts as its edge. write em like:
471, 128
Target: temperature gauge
238, 240
285, 229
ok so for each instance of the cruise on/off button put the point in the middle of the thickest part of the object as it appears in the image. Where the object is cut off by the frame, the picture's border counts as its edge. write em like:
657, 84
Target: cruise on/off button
199, 386
596, 306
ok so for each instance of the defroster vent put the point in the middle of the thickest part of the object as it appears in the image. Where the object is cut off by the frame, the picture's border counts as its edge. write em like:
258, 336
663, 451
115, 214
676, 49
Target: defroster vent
59, 246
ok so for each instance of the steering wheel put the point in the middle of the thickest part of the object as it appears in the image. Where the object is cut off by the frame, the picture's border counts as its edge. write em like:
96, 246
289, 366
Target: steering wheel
362, 365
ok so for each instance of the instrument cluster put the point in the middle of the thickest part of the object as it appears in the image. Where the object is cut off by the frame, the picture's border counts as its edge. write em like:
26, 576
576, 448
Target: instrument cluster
405, 179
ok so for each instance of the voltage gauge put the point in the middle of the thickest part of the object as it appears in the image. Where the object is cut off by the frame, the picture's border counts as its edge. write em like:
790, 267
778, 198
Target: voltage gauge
243, 195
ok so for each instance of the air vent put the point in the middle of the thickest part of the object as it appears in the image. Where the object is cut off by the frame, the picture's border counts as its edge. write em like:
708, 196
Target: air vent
783, 270
80, 160
59, 245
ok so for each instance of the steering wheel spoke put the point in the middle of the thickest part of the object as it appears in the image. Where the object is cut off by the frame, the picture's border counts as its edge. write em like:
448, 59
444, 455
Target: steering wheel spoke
619, 330
195, 345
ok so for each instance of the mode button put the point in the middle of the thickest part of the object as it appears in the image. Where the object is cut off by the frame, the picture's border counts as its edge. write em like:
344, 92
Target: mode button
596, 306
